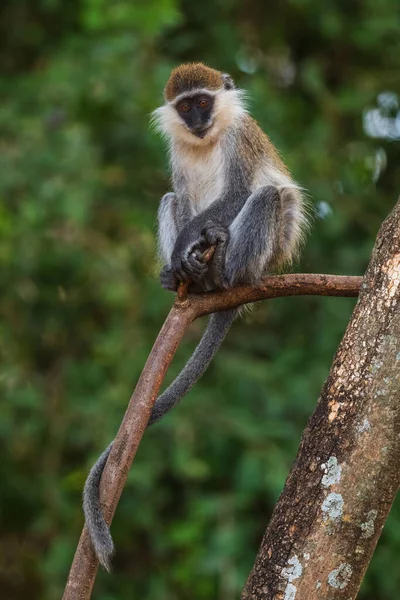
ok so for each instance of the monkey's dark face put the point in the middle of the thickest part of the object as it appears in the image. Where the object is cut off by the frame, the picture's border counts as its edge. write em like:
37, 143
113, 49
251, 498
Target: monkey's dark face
196, 112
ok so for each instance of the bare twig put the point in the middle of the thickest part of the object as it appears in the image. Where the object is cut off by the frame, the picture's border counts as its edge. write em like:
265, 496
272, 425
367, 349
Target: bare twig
186, 309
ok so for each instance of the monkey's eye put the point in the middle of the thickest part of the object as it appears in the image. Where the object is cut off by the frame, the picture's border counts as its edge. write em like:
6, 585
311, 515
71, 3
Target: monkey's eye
184, 107
202, 103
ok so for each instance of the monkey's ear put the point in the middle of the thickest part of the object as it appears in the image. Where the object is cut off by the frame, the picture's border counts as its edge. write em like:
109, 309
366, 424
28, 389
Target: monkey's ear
229, 84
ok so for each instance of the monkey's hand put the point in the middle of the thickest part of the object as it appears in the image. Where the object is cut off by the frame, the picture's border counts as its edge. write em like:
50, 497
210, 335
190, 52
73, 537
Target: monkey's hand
217, 235
168, 280
188, 264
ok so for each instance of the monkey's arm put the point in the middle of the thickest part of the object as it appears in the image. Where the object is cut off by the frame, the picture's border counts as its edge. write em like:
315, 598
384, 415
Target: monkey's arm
246, 233
167, 226
173, 215
210, 227
256, 243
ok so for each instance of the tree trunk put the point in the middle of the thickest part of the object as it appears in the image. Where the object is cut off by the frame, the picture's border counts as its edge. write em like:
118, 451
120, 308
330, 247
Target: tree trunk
337, 497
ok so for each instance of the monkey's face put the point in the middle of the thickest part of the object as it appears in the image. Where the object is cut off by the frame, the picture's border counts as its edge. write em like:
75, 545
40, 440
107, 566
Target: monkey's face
199, 117
200, 105
196, 112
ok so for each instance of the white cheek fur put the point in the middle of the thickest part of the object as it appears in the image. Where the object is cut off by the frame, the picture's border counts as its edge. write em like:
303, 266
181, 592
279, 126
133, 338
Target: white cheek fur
228, 105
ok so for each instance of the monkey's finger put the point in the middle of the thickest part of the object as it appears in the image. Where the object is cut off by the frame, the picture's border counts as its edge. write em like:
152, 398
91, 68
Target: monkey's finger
194, 266
198, 254
181, 275
196, 260
195, 275
216, 235
178, 270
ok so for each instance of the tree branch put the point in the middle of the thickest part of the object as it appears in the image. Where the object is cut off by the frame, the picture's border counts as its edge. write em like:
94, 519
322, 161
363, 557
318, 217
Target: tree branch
84, 567
337, 497
277, 286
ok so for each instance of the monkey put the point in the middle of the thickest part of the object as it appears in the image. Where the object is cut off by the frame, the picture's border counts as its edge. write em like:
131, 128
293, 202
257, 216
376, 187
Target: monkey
232, 191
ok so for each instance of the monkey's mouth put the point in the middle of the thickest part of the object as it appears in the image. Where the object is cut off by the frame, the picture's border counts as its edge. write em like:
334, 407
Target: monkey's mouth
201, 133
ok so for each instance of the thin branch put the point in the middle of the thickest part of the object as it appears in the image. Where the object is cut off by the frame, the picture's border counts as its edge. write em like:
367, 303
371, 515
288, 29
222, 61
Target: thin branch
84, 567
277, 286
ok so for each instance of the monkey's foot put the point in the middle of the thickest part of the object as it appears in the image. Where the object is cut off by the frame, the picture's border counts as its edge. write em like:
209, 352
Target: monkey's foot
215, 233
168, 280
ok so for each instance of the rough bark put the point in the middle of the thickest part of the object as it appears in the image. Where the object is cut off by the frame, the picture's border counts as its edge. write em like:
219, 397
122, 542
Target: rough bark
84, 567
327, 522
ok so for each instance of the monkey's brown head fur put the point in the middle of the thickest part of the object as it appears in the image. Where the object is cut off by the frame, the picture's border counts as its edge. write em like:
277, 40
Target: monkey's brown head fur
191, 76
200, 105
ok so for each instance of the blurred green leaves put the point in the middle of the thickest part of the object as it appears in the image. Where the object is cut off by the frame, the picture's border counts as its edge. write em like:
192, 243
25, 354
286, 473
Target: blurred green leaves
147, 17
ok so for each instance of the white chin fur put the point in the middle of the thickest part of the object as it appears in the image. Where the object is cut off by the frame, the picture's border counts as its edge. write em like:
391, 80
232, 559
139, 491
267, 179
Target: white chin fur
228, 105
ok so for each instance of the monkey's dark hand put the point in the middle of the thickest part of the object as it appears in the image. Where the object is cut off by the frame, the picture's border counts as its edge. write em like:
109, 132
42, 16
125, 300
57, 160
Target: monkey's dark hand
188, 264
215, 233
168, 280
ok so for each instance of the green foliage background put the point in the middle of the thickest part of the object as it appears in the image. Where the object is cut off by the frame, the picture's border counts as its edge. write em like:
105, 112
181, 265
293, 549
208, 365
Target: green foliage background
81, 177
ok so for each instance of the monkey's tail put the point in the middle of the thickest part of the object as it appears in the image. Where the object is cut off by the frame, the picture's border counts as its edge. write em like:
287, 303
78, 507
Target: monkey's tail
98, 529
216, 330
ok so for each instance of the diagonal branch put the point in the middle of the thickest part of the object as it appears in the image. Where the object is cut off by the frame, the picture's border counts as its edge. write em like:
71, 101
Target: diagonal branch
84, 567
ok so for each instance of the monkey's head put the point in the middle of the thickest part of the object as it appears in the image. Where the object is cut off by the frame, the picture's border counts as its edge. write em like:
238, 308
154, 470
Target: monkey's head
200, 104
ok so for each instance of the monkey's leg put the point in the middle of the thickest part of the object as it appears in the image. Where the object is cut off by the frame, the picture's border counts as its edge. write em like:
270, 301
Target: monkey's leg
167, 234
172, 217
255, 237
167, 226
216, 235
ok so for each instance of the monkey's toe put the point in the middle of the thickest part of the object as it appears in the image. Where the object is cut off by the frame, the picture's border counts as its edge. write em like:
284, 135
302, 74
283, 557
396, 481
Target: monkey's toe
168, 280
215, 233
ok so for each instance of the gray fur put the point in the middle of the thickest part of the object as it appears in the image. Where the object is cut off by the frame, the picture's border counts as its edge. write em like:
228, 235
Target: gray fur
217, 328
228, 81
254, 237
232, 193
167, 225
97, 527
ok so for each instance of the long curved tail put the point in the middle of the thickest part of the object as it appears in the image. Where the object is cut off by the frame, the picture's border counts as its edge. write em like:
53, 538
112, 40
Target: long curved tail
98, 529
216, 330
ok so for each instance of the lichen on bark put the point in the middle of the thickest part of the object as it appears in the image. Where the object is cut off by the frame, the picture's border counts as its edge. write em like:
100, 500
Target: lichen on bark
345, 476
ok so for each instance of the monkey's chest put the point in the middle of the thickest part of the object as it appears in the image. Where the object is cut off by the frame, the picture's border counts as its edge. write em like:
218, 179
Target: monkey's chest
205, 182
